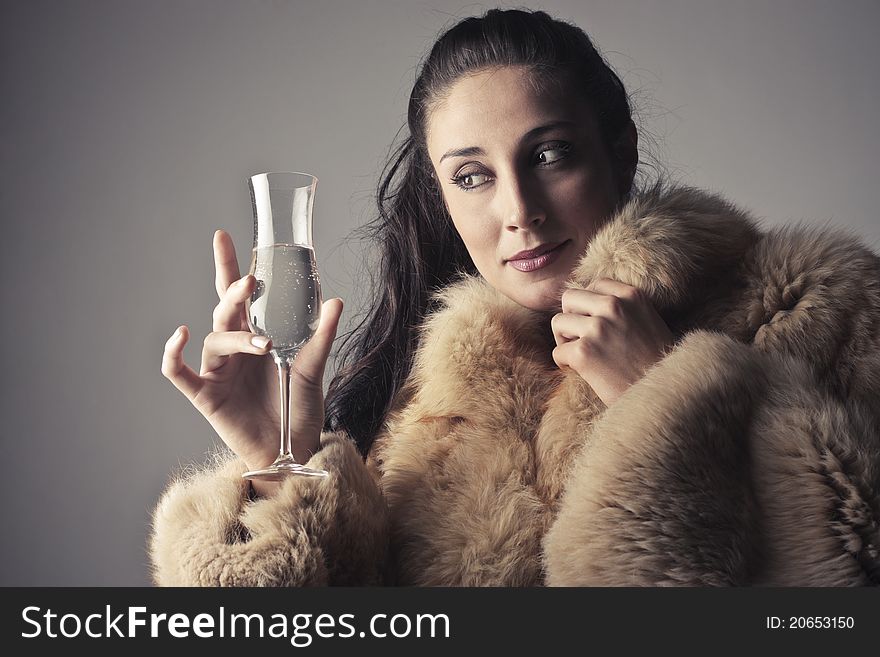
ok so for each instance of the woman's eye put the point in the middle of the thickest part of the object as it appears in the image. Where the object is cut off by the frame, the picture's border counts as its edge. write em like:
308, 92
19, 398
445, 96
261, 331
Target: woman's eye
470, 181
553, 154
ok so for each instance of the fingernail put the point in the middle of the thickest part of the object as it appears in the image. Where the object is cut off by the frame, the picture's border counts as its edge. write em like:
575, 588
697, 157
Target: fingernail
260, 342
176, 334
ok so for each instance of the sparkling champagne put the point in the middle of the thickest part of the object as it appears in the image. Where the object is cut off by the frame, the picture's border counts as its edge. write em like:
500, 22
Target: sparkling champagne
286, 303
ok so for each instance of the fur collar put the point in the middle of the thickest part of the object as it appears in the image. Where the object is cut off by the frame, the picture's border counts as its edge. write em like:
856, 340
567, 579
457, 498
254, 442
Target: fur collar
671, 244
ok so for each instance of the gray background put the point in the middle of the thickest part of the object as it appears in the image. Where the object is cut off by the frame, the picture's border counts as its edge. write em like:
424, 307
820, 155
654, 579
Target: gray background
129, 129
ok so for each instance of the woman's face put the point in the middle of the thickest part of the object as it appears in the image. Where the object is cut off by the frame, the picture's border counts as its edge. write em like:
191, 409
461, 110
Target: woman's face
521, 170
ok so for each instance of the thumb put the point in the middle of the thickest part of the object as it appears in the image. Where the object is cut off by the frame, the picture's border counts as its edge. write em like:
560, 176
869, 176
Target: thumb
312, 358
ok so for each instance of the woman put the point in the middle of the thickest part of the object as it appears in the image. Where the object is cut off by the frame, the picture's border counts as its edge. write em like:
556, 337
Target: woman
564, 380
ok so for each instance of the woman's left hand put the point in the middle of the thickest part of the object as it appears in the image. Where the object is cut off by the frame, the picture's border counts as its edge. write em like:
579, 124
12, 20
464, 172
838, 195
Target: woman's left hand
610, 334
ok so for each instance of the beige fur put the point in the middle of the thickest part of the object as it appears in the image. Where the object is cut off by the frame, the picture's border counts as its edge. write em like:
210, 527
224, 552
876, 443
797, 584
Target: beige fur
314, 532
748, 455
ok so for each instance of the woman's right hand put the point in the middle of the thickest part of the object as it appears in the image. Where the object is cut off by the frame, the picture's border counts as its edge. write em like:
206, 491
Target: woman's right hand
237, 387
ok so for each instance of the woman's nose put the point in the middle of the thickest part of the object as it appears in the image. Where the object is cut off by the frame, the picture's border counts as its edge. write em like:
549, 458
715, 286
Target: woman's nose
521, 205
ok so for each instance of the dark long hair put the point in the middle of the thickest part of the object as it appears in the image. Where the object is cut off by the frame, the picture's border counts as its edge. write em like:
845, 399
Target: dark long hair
419, 249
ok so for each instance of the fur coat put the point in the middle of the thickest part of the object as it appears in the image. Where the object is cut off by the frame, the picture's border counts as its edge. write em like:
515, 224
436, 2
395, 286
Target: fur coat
748, 455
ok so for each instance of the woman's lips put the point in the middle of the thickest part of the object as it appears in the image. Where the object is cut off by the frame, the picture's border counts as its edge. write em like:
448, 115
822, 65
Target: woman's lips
538, 262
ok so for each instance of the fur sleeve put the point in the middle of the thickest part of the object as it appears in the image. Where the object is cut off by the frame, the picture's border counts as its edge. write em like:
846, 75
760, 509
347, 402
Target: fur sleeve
724, 465
331, 530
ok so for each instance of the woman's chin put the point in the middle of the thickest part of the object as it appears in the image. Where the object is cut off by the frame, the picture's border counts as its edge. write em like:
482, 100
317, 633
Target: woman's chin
543, 296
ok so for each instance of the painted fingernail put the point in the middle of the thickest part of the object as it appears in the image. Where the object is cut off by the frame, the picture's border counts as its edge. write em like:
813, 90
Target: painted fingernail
260, 342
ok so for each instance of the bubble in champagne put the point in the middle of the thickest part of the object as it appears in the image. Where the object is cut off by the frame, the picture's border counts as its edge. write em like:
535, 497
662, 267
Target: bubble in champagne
285, 305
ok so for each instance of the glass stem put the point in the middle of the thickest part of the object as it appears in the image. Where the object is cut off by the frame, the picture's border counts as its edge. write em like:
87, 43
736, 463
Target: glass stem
284, 379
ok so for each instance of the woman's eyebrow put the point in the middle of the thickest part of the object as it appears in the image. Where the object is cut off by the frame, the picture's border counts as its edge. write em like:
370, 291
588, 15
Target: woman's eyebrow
463, 152
531, 134
547, 127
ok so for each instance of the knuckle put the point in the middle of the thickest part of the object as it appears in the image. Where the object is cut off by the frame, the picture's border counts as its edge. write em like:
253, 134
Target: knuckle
615, 307
238, 286
584, 350
308, 380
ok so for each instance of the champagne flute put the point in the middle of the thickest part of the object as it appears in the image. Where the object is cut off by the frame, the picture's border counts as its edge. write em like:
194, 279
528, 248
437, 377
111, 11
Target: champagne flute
286, 302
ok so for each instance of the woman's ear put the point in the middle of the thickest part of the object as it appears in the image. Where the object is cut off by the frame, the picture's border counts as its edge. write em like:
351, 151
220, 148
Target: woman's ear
626, 158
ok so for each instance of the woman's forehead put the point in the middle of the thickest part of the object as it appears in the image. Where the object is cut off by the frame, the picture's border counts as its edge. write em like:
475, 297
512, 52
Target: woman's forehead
498, 106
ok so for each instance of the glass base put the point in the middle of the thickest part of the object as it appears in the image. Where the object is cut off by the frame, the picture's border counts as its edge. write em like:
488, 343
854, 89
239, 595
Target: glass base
281, 469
